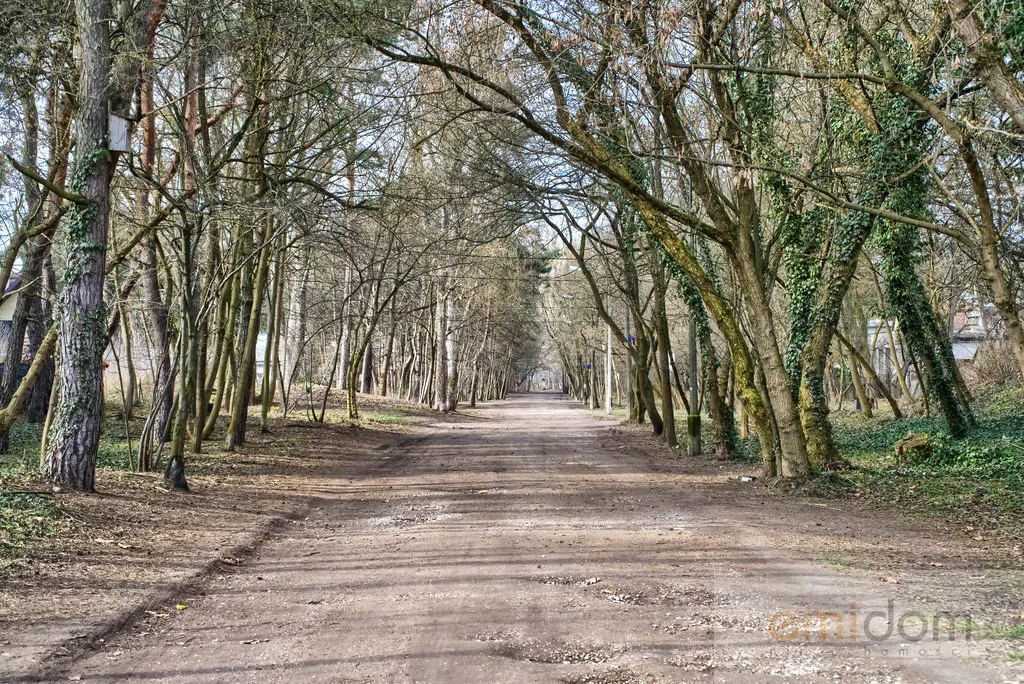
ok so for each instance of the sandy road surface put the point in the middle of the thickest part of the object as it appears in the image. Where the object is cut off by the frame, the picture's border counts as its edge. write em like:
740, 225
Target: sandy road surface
530, 542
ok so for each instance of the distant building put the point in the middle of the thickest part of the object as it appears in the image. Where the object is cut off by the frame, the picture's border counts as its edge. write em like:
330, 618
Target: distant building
10, 298
971, 327
7, 306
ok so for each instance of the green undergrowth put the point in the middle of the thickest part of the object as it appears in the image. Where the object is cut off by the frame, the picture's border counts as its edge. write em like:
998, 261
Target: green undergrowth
393, 416
27, 511
25, 516
980, 477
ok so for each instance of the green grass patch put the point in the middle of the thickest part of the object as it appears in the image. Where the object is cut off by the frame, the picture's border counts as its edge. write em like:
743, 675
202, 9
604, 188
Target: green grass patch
24, 517
1015, 656
990, 630
619, 413
386, 416
981, 474
836, 562
25, 514
994, 631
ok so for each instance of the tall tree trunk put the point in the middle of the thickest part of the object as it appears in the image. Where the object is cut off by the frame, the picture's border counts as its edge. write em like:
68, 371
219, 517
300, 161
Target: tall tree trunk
475, 383
720, 411
37, 406
224, 354
792, 446
188, 348
366, 372
645, 388
346, 332
452, 354
266, 387
129, 357
441, 384
664, 372
273, 335
246, 361
389, 350
71, 453
295, 332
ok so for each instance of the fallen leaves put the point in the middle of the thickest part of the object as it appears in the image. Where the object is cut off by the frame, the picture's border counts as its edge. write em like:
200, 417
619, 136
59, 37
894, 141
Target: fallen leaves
889, 580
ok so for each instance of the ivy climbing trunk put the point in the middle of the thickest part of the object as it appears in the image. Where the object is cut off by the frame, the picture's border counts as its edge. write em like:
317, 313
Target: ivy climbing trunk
792, 445
755, 402
75, 434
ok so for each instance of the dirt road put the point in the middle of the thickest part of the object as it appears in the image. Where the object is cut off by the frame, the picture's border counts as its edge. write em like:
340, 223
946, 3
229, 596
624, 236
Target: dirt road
530, 542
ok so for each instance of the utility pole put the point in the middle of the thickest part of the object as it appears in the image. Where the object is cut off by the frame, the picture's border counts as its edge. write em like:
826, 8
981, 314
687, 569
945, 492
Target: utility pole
608, 374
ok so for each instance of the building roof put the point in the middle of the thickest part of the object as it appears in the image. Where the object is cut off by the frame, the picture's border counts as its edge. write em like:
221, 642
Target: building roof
14, 282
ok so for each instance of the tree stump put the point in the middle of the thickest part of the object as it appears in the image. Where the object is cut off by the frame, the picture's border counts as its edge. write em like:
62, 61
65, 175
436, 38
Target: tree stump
913, 447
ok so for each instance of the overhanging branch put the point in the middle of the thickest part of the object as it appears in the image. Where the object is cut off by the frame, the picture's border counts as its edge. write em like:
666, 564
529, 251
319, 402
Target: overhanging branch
46, 183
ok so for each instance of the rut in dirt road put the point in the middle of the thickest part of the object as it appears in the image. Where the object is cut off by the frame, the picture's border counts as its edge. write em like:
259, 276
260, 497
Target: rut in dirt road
527, 541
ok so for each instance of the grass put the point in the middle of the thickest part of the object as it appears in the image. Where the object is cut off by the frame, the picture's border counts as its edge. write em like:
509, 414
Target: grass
386, 417
25, 516
619, 413
26, 510
990, 630
981, 476
994, 631
1015, 656
836, 562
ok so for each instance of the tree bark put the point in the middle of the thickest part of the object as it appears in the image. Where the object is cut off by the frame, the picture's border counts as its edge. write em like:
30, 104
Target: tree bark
452, 354
664, 374
989, 60
246, 362
71, 453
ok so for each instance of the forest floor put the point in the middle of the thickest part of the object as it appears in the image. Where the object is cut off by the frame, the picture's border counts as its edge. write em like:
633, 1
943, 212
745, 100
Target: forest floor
522, 541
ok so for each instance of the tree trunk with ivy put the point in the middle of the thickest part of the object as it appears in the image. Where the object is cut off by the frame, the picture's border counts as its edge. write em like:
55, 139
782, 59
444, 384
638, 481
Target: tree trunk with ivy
792, 444
107, 84
755, 401
75, 434
715, 385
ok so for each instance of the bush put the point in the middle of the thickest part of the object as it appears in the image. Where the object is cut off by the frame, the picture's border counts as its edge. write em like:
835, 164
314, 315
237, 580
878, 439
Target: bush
995, 363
